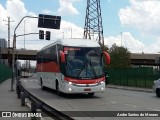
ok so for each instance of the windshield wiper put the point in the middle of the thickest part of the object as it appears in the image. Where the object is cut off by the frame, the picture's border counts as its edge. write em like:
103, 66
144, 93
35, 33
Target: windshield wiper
83, 67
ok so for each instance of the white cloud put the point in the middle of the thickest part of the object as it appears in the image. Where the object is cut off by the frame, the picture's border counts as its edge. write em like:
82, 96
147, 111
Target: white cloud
126, 40
133, 45
66, 27
66, 7
46, 11
16, 9
32, 41
143, 15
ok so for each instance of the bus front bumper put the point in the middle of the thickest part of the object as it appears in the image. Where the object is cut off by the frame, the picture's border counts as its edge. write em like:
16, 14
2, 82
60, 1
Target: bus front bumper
83, 88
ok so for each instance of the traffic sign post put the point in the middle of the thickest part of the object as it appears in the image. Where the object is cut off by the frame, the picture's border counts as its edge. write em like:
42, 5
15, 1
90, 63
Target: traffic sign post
44, 21
49, 21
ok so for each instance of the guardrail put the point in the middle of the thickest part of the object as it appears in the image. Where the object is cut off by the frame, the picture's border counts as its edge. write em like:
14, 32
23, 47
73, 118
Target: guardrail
22, 94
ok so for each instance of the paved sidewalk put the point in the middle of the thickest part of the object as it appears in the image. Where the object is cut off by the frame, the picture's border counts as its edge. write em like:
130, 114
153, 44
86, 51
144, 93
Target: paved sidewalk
129, 88
9, 100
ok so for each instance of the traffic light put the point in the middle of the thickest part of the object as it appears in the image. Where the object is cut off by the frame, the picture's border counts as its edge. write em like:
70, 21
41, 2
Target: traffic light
48, 34
41, 34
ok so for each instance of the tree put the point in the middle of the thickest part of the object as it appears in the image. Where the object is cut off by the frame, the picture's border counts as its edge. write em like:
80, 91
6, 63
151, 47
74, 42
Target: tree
120, 57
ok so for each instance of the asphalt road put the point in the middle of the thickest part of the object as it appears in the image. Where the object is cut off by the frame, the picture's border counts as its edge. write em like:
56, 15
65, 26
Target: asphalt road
111, 100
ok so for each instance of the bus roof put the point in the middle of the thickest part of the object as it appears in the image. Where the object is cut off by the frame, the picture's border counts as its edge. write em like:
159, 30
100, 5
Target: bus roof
74, 42
78, 42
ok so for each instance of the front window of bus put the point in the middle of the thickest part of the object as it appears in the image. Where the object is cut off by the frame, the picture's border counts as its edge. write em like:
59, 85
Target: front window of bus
83, 63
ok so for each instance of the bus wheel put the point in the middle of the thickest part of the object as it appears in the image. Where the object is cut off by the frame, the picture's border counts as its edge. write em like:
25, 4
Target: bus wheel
42, 87
158, 92
57, 89
91, 94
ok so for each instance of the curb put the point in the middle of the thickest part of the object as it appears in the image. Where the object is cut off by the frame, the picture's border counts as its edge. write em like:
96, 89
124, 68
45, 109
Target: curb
130, 88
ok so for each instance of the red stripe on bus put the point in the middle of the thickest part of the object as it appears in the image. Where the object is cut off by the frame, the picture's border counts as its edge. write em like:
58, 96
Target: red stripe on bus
48, 67
83, 81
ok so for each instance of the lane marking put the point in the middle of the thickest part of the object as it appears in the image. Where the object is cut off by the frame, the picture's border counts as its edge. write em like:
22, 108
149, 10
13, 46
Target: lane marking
113, 102
131, 105
153, 109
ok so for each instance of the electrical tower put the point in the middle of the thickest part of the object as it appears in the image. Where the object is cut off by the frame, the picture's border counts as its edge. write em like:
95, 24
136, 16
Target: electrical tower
93, 22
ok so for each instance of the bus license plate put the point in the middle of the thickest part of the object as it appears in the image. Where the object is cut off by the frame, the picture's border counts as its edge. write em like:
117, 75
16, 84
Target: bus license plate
87, 89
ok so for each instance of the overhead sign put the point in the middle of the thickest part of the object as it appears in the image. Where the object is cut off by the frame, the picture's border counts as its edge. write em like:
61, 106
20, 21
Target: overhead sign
49, 21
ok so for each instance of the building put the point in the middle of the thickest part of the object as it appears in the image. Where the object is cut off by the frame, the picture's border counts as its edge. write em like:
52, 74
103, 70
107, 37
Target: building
3, 44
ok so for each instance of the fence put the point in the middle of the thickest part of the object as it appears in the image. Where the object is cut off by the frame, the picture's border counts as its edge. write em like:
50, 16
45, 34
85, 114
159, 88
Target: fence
5, 72
138, 77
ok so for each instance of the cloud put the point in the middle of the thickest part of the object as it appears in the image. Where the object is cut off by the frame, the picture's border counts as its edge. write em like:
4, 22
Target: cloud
142, 14
16, 10
66, 7
126, 40
46, 11
67, 28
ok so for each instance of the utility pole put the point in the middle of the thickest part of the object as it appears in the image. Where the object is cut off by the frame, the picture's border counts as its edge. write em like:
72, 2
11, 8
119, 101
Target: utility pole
8, 23
93, 22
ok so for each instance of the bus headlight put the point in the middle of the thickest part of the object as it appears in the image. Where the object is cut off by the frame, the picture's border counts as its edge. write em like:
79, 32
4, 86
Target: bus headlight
102, 82
70, 83
70, 89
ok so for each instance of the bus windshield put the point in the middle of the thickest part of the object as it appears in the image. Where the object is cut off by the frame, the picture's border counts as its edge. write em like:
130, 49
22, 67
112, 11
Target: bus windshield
83, 63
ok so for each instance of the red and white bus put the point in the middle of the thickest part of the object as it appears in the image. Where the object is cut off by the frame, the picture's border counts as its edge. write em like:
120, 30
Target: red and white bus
72, 66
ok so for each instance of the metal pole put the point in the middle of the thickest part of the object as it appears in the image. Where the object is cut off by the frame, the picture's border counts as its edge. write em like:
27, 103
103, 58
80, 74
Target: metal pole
8, 21
24, 42
14, 47
13, 54
13, 62
63, 34
121, 39
24, 34
9, 41
9, 32
71, 31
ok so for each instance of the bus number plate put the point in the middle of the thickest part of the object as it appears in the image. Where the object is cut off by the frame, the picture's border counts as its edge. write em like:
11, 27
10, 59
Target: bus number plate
87, 89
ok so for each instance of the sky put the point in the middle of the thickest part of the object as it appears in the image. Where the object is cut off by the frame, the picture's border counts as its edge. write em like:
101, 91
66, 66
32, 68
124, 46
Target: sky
134, 24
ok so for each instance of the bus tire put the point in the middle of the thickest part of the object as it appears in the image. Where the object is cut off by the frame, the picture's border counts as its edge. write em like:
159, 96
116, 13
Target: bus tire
42, 87
57, 88
91, 94
158, 93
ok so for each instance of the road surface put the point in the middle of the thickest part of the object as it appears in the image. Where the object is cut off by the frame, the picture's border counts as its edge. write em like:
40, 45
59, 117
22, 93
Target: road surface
111, 100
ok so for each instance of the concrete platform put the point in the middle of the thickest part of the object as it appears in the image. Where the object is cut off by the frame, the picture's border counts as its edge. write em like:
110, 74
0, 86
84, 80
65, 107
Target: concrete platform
10, 102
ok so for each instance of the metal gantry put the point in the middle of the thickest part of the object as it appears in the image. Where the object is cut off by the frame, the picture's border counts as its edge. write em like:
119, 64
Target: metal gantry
93, 22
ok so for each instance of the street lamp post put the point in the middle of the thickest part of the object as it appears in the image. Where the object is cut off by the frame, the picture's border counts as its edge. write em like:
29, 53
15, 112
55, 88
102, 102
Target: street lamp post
63, 34
13, 62
24, 42
14, 47
71, 31
13, 51
24, 33
121, 38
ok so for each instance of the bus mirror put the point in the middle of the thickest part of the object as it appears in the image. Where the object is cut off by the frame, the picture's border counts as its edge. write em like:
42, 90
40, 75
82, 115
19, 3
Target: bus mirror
107, 57
62, 56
